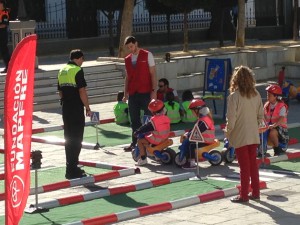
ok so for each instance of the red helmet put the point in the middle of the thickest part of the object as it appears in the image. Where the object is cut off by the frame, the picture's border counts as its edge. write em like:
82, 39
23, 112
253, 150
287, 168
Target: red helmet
274, 89
155, 105
196, 103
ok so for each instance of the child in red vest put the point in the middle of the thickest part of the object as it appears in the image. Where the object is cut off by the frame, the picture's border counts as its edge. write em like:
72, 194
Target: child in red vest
206, 126
155, 131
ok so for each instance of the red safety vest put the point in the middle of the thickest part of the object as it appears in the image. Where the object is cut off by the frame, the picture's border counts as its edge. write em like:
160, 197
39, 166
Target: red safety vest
161, 95
209, 134
161, 124
272, 117
139, 77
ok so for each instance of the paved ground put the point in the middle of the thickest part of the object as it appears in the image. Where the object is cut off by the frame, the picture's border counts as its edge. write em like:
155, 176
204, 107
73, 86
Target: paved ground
279, 203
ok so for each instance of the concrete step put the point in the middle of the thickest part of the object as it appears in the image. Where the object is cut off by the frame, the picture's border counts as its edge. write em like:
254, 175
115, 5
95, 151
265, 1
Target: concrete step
54, 104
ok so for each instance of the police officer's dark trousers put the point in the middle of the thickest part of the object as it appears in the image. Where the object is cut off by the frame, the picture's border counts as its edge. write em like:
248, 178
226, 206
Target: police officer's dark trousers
74, 121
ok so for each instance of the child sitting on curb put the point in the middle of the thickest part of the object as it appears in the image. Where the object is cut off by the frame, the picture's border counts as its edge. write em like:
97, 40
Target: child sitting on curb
121, 110
187, 114
173, 108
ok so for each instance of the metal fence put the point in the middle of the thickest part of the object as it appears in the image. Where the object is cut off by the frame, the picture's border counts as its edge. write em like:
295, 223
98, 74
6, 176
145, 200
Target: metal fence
56, 27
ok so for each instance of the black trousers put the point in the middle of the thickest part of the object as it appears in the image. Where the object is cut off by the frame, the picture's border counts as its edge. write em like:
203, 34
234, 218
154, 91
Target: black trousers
3, 47
74, 121
136, 103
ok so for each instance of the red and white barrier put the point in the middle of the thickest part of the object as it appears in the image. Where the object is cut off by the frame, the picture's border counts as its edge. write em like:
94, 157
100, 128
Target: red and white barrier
82, 181
58, 141
115, 190
104, 165
161, 207
284, 157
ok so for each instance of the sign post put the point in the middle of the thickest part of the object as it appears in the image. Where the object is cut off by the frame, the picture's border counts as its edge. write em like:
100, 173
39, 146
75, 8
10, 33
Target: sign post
95, 118
197, 137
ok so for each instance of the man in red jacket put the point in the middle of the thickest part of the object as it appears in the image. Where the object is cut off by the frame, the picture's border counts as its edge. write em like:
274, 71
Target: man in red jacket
140, 83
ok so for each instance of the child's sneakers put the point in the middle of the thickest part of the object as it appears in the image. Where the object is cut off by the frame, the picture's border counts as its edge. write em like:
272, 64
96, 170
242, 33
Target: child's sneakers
189, 165
141, 162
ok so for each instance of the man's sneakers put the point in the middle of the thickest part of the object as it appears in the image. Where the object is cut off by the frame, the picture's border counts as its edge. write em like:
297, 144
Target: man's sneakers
77, 173
129, 148
189, 165
142, 162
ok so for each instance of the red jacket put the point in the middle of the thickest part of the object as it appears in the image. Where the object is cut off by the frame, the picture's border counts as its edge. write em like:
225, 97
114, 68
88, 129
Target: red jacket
161, 95
139, 77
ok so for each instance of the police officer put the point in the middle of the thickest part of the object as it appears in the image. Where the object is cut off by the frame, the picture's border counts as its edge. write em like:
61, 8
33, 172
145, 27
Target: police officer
4, 21
73, 95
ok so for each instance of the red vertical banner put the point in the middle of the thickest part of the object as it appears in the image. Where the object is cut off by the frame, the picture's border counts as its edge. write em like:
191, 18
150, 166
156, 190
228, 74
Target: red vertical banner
18, 107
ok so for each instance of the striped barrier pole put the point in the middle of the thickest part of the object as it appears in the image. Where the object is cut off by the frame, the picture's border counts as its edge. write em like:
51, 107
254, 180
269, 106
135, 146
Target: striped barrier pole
162, 207
2, 151
59, 127
115, 190
81, 181
284, 157
104, 165
58, 141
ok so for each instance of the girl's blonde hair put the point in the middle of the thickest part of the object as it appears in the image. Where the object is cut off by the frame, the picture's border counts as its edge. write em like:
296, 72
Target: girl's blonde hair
243, 80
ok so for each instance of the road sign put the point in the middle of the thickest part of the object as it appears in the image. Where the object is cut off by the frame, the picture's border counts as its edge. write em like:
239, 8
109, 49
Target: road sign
146, 119
196, 135
95, 117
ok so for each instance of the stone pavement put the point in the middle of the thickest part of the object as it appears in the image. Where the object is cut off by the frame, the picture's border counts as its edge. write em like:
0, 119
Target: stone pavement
279, 203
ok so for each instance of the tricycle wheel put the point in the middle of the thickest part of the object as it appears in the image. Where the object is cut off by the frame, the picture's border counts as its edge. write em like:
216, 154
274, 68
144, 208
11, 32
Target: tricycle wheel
217, 155
228, 156
177, 160
134, 155
168, 156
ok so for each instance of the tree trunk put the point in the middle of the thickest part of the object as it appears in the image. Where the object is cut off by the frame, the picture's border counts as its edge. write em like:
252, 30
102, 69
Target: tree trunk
185, 32
295, 22
240, 30
221, 31
126, 26
111, 35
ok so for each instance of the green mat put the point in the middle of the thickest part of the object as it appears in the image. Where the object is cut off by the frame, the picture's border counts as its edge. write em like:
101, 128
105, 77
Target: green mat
123, 202
53, 175
290, 165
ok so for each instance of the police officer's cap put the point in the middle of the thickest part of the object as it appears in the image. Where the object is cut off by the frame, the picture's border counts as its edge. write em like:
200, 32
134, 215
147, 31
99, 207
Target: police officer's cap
75, 54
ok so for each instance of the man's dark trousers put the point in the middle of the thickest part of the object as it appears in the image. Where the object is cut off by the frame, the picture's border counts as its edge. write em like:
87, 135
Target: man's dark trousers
136, 103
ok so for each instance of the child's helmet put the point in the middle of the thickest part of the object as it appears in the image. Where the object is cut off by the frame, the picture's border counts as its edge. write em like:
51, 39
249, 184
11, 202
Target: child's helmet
196, 104
155, 105
274, 89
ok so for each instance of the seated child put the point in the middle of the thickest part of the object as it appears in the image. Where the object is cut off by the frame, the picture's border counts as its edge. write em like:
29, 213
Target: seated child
275, 111
155, 131
121, 110
173, 108
187, 114
206, 126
